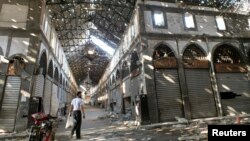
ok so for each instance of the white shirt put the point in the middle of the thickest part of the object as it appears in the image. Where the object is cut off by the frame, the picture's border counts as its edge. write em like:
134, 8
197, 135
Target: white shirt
77, 103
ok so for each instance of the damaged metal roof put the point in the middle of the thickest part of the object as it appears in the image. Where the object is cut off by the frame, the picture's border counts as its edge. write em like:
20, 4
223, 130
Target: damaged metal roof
79, 23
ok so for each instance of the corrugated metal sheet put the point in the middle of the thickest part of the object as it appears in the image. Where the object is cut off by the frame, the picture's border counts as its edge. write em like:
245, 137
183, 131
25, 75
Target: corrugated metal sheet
10, 103
201, 97
47, 96
2, 81
236, 83
54, 100
168, 94
39, 85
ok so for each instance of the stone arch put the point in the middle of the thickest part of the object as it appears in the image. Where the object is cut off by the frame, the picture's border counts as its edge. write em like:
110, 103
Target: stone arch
162, 51
194, 57
56, 75
230, 56
232, 80
125, 69
113, 79
134, 64
50, 69
43, 63
164, 57
16, 64
118, 74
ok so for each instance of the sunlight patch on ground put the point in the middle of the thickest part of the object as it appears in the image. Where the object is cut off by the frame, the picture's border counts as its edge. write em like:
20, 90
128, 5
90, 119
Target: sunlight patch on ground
98, 139
121, 127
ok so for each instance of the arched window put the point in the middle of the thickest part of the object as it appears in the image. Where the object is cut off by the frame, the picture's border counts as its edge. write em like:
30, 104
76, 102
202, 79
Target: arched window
194, 57
162, 51
134, 61
43, 63
50, 69
228, 59
125, 69
16, 65
56, 76
164, 57
118, 75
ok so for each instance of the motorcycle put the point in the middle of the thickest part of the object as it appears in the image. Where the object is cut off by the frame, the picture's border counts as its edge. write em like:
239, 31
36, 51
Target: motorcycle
43, 128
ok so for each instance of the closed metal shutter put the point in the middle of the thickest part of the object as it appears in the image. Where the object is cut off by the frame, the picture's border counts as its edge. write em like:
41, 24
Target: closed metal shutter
54, 101
39, 85
10, 103
201, 97
47, 96
2, 81
238, 84
3, 71
168, 94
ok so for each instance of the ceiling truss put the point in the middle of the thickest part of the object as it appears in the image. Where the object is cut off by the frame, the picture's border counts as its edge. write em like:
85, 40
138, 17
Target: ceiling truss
76, 21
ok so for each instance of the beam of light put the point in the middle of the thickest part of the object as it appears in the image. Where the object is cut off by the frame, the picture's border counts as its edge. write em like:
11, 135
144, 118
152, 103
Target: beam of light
102, 45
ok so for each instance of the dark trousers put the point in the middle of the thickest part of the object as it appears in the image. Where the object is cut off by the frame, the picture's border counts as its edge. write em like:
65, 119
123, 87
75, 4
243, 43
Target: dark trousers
77, 124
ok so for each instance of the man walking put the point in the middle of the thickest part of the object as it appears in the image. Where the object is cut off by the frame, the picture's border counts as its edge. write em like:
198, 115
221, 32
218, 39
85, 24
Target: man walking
78, 113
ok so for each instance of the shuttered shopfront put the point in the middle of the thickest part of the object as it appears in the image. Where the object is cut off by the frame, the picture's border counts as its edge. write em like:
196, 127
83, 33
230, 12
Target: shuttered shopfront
237, 102
234, 87
168, 94
39, 86
201, 96
54, 100
10, 103
47, 96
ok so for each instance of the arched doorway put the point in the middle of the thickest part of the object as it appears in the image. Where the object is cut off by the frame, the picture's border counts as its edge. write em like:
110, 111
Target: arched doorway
40, 77
116, 92
135, 83
37, 99
55, 94
48, 88
11, 94
198, 81
167, 84
231, 75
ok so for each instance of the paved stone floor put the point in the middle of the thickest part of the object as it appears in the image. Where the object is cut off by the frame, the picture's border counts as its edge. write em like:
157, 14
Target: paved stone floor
97, 126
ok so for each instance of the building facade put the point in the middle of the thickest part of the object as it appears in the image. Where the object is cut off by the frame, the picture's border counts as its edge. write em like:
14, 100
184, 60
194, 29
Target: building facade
180, 61
35, 75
